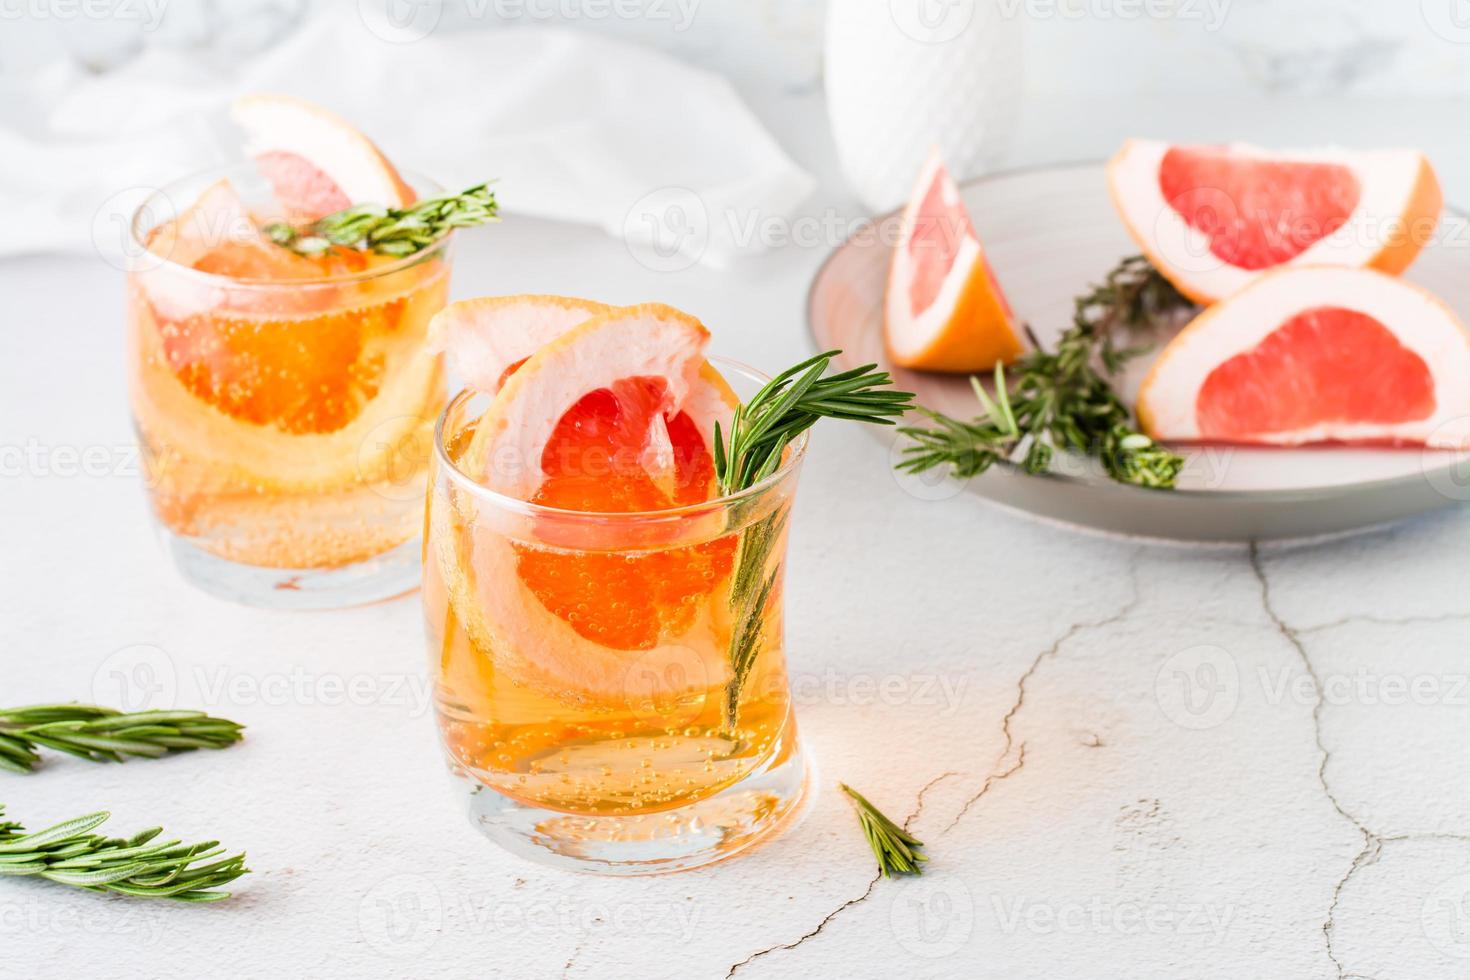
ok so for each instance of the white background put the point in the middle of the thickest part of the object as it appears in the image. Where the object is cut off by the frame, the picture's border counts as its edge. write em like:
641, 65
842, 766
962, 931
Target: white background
1121, 47
1129, 760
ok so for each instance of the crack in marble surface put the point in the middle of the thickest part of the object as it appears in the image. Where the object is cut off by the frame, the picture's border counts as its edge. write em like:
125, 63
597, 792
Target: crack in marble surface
924, 791
566, 970
990, 780
914, 815
998, 774
1293, 637
816, 931
1369, 855
1369, 618
1372, 843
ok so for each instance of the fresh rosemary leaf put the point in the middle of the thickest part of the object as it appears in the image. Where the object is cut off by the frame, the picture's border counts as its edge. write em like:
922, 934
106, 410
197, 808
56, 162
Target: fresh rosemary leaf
1064, 399
390, 231
752, 449
70, 854
100, 734
896, 849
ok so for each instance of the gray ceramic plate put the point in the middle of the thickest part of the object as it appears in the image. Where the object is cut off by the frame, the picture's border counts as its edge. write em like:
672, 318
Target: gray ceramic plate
1052, 231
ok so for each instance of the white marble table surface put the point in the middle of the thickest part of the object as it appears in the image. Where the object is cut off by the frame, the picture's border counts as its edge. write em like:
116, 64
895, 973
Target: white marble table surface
1129, 759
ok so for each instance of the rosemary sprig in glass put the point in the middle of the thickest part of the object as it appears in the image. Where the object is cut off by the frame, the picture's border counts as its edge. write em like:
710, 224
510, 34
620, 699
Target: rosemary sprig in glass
895, 848
1064, 399
390, 231
752, 450
100, 734
70, 854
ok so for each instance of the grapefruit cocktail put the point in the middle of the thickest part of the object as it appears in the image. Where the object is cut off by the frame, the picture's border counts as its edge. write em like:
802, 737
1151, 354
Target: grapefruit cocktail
604, 624
278, 398
281, 387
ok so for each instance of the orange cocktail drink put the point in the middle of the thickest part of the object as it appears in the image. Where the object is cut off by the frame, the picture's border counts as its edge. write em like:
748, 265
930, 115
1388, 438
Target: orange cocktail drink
607, 681
283, 402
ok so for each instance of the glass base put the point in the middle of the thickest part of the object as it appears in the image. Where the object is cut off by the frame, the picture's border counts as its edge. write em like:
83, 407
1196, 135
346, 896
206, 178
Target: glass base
768, 800
386, 576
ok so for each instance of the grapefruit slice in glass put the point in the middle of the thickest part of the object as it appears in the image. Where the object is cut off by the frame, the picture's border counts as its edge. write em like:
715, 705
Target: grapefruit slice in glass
489, 338
944, 309
1213, 218
613, 416
316, 162
1315, 355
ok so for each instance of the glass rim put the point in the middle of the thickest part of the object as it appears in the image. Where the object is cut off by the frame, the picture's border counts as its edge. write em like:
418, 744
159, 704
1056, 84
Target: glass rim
796, 453
136, 236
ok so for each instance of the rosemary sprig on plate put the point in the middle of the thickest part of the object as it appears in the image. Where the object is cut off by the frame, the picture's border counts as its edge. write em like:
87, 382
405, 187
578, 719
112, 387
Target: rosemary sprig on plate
896, 849
141, 866
1064, 399
752, 450
100, 734
390, 231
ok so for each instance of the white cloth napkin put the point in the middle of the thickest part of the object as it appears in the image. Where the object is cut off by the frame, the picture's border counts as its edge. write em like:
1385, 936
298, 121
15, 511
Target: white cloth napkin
572, 126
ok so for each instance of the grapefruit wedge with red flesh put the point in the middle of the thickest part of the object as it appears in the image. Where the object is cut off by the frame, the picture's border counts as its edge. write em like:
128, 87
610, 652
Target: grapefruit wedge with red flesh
1314, 355
488, 338
944, 309
1214, 218
614, 415
316, 162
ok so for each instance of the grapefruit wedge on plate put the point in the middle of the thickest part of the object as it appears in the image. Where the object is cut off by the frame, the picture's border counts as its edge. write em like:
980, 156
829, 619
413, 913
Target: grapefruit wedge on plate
1314, 355
317, 162
944, 309
1213, 218
614, 415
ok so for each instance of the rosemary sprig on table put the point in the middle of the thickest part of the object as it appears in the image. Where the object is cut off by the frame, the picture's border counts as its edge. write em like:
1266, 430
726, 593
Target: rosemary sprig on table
752, 450
1064, 399
390, 231
70, 854
100, 734
895, 848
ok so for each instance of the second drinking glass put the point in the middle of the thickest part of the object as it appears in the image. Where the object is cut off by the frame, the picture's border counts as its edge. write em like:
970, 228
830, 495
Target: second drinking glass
612, 686
283, 403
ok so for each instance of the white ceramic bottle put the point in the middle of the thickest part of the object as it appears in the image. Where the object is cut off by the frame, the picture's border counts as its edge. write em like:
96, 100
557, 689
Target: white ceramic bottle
905, 75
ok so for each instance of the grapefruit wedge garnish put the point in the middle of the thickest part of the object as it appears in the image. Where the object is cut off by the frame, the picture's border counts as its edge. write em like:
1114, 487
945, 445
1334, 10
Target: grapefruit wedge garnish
613, 415
944, 309
1314, 355
489, 337
316, 162
1213, 218
603, 404
218, 234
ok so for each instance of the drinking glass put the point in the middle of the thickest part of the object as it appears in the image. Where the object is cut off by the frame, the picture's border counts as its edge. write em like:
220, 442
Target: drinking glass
611, 688
285, 423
